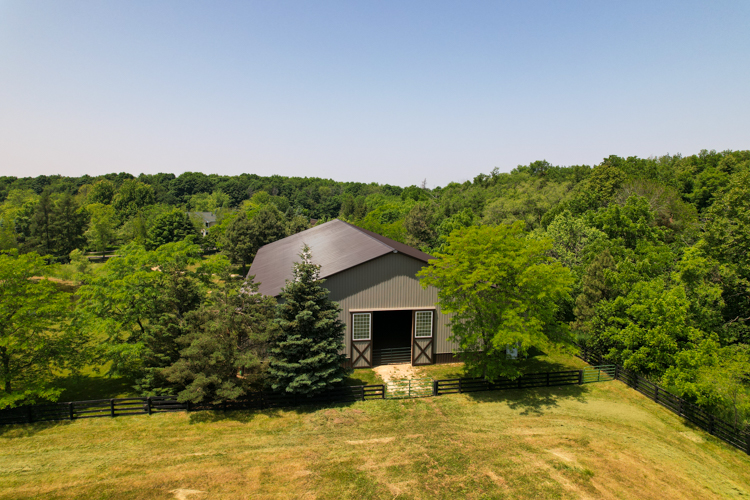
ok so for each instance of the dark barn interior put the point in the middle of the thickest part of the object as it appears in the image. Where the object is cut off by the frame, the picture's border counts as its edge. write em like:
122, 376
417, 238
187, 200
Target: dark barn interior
391, 337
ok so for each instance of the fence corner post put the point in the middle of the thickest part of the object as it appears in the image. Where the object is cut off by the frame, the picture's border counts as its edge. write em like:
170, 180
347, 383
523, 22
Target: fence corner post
617, 372
580, 377
434, 387
148, 405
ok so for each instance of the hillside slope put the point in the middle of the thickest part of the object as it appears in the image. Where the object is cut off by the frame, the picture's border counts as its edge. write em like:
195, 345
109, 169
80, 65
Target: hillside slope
595, 441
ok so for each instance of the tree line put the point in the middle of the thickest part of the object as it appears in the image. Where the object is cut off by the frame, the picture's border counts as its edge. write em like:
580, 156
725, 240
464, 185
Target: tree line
655, 250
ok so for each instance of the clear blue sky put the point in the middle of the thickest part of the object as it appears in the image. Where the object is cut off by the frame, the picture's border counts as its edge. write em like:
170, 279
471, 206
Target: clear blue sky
392, 92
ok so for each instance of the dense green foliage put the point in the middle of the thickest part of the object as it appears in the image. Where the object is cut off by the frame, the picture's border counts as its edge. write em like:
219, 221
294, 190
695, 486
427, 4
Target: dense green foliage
223, 353
36, 337
306, 349
658, 250
503, 290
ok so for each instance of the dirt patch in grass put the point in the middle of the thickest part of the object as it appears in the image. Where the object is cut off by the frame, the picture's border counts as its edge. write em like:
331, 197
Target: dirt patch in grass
391, 373
186, 494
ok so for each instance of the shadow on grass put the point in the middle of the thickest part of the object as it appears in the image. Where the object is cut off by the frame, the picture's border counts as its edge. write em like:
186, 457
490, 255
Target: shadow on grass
539, 361
533, 401
247, 416
28, 430
87, 387
364, 376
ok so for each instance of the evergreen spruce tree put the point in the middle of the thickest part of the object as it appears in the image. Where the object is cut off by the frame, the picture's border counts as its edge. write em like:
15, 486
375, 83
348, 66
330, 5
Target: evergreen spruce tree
305, 351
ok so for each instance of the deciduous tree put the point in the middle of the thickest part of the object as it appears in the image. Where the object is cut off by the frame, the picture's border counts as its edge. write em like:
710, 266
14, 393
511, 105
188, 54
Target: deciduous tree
501, 289
35, 335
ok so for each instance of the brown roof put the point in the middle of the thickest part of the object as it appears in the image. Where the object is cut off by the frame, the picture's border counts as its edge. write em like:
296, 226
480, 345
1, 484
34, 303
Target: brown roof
335, 246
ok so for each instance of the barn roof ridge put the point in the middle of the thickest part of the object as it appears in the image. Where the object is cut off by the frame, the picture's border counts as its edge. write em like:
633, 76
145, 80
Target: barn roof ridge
336, 246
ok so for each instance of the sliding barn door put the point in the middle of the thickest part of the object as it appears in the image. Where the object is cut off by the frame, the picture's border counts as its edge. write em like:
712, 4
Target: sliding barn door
361, 340
423, 340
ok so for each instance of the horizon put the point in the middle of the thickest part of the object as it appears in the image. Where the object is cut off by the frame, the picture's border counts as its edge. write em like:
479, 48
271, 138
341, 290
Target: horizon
418, 184
385, 92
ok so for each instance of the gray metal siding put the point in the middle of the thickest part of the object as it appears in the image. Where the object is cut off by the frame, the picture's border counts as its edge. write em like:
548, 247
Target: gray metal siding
387, 282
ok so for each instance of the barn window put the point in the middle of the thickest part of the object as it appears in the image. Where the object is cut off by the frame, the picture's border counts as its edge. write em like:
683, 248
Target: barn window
423, 324
361, 326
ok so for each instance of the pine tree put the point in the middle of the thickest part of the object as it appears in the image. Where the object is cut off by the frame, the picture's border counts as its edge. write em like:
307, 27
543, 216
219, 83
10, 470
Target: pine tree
306, 350
224, 351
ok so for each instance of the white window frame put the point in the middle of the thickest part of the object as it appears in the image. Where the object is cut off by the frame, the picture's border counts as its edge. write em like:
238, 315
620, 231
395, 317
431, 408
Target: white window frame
432, 319
369, 326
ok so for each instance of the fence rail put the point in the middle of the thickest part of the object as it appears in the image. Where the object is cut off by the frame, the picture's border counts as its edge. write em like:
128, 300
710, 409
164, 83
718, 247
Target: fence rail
409, 388
548, 379
160, 404
731, 434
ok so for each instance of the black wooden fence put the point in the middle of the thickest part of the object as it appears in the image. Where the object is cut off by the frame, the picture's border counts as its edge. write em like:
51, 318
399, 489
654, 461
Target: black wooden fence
736, 436
160, 404
264, 400
549, 379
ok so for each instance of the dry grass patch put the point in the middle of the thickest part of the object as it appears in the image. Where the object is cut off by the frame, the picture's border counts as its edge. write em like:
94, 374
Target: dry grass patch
595, 441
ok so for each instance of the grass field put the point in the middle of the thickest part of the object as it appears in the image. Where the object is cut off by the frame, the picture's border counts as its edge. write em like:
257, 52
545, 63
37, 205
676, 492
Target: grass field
593, 441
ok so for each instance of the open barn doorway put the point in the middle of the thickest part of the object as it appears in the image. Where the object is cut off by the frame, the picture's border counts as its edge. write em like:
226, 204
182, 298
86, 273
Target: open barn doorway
391, 337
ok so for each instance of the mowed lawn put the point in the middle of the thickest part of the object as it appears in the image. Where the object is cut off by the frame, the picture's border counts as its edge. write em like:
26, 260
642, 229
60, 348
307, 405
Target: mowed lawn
595, 441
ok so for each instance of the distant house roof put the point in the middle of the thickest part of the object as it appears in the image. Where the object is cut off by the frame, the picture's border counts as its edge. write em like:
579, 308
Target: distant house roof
207, 216
335, 246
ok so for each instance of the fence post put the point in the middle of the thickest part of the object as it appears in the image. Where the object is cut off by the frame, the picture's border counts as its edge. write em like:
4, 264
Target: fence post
580, 377
547, 379
148, 405
382, 392
363, 393
656, 393
70, 410
747, 443
434, 387
711, 424
460, 389
112, 407
680, 414
617, 372
187, 406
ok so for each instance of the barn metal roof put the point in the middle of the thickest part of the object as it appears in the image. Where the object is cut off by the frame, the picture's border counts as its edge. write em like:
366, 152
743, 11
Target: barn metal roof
335, 246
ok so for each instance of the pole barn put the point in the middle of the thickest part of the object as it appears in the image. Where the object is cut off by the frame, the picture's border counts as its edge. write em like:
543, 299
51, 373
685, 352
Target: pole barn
389, 317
